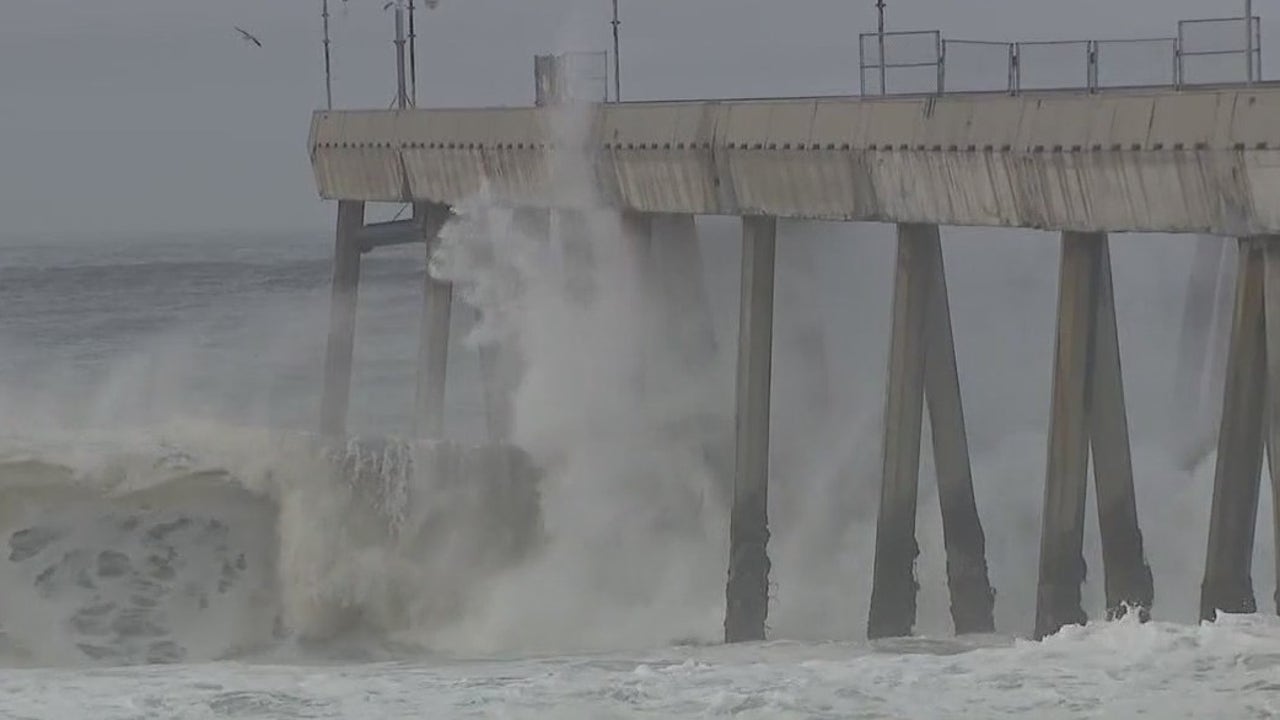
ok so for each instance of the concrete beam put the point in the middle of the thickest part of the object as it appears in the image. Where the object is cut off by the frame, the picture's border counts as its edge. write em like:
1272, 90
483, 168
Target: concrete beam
1199, 160
1228, 582
893, 593
342, 321
747, 590
433, 350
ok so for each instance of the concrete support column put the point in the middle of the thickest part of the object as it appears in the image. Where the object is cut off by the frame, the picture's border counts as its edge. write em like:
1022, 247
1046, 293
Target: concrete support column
1087, 408
1228, 585
1128, 582
433, 350
893, 593
342, 321
1272, 418
922, 358
747, 591
972, 599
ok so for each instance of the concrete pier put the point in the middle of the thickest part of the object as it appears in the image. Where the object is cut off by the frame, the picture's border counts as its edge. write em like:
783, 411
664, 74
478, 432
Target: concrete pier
1228, 582
747, 591
1182, 160
342, 320
433, 349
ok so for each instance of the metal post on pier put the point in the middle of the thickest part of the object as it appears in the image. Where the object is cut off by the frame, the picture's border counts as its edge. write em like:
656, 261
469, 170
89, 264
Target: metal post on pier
880, 37
1248, 40
328, 75
617, 59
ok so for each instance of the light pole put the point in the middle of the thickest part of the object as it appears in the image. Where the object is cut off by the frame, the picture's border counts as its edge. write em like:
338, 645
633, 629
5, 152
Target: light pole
1248, 41
328, 78
617, 60
880, 36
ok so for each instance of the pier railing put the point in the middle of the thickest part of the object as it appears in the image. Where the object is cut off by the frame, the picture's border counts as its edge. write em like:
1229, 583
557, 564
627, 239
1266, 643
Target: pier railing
1204, 52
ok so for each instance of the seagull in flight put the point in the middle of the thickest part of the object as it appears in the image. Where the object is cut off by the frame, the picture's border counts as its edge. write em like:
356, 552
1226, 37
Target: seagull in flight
249, 37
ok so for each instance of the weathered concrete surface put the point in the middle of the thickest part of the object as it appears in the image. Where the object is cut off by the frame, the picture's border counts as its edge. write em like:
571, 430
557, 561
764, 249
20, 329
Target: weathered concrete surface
340, 350
1228, 573
1192, 161
747, 590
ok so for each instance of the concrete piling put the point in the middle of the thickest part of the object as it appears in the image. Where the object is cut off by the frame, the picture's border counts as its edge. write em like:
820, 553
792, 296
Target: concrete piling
1272, 418
1128, 582
893, 593
1088, 412
922, 366
1062, 567
433, 350
972, 599
747, 590
342, 321
1228, 583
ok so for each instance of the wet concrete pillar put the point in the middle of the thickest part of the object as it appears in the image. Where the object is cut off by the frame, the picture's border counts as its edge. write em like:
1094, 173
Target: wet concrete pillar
1272, 417
1087, 410
342, 321
1128, 582
433, 349
1062, 567
747, 590
1228, 583
922, 367
894, 587
972, 599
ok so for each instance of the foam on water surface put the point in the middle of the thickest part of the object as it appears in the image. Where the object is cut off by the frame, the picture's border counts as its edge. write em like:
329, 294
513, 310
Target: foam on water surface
1115, 670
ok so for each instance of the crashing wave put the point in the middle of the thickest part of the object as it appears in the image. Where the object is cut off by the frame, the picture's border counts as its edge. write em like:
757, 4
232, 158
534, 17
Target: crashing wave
156, 555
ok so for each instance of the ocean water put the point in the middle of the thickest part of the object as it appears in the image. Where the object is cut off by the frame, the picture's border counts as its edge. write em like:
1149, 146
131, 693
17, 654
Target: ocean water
177, 543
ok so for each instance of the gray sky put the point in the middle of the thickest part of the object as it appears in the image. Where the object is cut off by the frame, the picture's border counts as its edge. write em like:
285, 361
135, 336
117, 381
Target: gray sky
141, 116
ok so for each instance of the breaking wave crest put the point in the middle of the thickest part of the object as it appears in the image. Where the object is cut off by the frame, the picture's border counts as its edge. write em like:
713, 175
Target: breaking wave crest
151, 549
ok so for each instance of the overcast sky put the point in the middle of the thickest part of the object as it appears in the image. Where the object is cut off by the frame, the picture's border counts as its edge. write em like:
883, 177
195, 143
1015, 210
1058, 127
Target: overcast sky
142, 116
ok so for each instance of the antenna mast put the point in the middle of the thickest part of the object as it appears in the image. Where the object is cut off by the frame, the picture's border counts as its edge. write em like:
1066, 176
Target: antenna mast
328, 78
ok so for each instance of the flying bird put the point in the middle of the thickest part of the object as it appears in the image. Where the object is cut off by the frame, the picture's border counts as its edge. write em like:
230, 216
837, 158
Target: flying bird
249, 37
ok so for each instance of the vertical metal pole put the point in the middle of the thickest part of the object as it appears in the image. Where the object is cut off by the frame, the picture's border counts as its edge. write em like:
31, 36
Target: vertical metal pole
880, 36
617, 59
328, 77
413, 58
1248, 34
402, 96
942, 63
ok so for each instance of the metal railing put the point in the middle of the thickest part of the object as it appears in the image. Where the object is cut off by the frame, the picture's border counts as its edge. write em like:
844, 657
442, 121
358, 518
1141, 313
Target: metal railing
1205, 52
